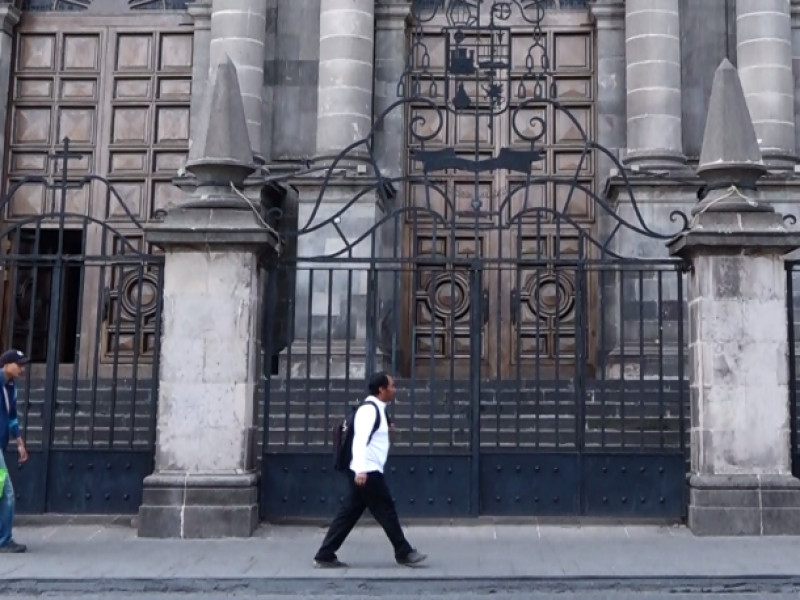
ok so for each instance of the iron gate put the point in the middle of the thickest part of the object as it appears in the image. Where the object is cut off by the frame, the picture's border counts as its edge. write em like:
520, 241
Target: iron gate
81, 297
538, 356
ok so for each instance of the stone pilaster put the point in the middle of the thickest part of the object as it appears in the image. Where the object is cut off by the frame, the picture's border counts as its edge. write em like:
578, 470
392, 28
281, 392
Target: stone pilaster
741, 474
764, 55
609, 17
346, 51
268, 93
653, 57
200, 12
205, 484
9, 17
390, 63
238, 29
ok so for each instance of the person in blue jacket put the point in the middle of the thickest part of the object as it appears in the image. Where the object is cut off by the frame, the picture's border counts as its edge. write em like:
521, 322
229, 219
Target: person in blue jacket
12, 363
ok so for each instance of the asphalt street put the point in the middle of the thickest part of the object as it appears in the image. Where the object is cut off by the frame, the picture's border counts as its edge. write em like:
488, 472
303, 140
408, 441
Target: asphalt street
498, 595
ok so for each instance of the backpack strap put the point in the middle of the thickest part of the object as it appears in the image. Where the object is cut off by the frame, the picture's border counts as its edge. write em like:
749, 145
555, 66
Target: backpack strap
377, 421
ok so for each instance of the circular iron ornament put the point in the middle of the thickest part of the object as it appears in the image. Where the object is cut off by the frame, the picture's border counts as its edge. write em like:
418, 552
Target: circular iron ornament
448, 295
551, 296
131, 298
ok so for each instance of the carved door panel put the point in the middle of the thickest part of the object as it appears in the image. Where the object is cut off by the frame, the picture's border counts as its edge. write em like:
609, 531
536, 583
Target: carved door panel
528, 324
119, 88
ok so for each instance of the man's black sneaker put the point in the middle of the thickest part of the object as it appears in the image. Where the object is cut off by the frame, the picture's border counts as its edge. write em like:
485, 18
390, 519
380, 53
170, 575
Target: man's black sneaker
411, 559
329, 564
12, 548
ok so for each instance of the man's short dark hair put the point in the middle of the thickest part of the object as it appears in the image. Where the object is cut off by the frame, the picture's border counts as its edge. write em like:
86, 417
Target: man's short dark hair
377, 381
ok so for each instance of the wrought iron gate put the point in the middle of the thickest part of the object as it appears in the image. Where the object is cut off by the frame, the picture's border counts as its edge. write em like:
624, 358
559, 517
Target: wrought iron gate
538, 357
82, 297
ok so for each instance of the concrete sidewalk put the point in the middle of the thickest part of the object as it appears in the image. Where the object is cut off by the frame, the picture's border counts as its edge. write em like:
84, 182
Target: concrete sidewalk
480, 552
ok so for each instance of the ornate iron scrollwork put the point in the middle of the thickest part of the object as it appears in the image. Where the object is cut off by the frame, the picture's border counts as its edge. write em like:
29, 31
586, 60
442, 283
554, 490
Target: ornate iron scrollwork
485, 72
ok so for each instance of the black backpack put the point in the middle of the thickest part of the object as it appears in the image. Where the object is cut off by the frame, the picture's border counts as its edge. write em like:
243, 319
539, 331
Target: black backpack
343, 437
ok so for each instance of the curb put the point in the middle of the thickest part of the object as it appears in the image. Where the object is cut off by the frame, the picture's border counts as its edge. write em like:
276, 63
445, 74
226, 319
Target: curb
386, 587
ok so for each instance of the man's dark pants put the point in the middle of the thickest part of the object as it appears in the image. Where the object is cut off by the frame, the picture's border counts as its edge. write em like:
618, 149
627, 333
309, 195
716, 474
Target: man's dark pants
376, 497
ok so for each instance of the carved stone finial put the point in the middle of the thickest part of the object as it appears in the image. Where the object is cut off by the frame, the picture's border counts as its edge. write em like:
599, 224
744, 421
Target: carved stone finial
221, 151
731, 159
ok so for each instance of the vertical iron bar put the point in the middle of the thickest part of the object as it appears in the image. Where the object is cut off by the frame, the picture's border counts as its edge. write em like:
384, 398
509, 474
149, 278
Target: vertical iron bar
603, 356
662, 433
115, 368
309, 328
51, 379
78, 338
158, 264
681, 407
790, 267
642, 397
621, 394
268, 315
580, 361
137, 332
476, 343
328, 336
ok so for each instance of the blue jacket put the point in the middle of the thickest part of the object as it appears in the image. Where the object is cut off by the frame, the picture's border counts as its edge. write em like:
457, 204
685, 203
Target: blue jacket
9, 424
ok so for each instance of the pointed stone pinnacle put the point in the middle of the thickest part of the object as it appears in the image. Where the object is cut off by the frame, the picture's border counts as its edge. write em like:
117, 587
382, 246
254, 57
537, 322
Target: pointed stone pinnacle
731, 157
221, 150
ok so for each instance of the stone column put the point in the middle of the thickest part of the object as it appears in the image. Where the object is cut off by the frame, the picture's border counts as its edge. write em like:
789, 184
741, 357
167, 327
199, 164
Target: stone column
653, 57
741, 474
9, 17
238, 29
609, 17
201, 15
346, 51
205, 484
764, 54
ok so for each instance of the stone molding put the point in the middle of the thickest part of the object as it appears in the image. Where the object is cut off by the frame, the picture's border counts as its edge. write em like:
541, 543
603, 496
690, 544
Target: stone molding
9, 17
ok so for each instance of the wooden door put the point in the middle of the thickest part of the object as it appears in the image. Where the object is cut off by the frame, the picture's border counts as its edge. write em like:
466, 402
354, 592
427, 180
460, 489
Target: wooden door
119, 88
529, 263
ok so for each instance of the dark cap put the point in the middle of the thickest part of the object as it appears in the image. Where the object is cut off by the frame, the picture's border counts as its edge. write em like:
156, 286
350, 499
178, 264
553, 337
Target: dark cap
11, 357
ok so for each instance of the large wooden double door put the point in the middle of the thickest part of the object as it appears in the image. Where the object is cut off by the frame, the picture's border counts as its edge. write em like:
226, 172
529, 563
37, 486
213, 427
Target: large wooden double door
528, 297
119, 87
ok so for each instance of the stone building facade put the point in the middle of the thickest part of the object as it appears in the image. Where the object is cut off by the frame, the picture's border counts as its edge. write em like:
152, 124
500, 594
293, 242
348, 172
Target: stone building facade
126, 82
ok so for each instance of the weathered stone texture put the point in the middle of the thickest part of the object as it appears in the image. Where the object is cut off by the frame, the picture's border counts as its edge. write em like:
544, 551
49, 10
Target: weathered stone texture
738, 352
208, 357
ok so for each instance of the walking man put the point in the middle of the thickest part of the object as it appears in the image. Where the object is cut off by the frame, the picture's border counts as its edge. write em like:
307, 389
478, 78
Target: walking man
12, 363
366, 485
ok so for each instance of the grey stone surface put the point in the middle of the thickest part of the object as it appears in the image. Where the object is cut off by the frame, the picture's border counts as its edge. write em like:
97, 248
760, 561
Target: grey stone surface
478, 552
294, 73
739, 392
609, 18
708, 35
220, 151
390, 59
344, 101
200, 12
764, 51
744, 505
238, 30
654, 105
190, 506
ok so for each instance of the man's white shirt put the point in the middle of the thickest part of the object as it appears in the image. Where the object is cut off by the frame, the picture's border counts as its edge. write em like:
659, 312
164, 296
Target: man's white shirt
370, 457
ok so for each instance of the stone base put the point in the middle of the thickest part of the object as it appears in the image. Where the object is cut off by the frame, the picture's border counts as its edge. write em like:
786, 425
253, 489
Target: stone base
199, 506
317, 361
744, 505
